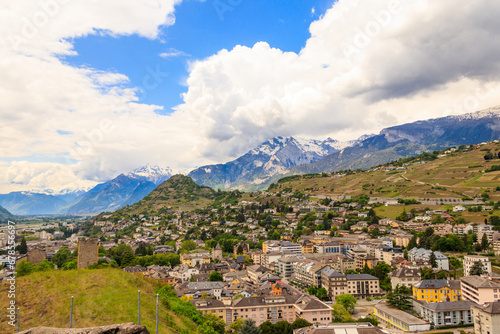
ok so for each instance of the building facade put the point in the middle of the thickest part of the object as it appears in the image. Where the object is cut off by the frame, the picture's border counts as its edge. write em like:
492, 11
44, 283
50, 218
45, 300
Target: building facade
470, 260
437, 290
486, 318
480, 289
272, 308
404, 277
447, 313
390, 316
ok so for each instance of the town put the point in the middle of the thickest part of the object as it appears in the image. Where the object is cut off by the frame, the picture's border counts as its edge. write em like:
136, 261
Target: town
319, 262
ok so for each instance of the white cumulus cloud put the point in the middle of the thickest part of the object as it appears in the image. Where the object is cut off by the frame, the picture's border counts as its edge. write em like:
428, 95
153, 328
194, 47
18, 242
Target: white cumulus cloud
367, 65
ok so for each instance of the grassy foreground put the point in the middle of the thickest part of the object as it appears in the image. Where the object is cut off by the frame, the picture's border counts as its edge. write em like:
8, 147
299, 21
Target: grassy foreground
101, 297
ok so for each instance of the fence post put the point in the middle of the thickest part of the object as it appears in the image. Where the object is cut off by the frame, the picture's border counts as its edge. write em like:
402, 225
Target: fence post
157, 313
71, 314
139, 305
18, 319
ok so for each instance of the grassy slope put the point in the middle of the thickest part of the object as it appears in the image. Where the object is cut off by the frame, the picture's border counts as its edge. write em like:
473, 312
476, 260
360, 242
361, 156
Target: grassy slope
101, 297
451, 174
178, 192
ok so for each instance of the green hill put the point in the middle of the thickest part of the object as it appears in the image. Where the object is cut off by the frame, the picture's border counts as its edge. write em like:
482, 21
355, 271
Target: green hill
5, 215
457, 175
178, 192
101, 297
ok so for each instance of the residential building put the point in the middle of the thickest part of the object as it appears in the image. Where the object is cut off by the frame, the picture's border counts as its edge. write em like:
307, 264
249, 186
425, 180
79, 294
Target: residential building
404, 276
480, 289
481, 228
290, 247
462, 228
306, 272
255, 271
486, 318
363, 285
184, 272
445, 313
307, 247
271, 308
442, 229
342, 263
470, 260
270, 257
334, 282
491, 235
459, 208
389, 254
416, 254
365, 260
402, 240
356, 251
390, 316
358, 285
285, 265
496, 247
437, 290
257, 256
195, 259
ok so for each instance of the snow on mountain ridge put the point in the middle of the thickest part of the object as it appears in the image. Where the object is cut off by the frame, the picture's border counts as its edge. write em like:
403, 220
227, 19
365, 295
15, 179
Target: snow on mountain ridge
151, 173
318, 147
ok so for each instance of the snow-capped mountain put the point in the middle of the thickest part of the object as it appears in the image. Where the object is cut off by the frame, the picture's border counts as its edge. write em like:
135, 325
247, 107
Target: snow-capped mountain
411, 139
268, 161
125, 189
151, 173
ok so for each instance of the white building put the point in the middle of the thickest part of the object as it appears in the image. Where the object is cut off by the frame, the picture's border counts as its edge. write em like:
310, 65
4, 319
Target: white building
425, 255
469, 261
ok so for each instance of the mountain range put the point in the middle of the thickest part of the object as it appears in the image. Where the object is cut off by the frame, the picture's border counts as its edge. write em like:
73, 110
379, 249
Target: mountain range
282, 157
125, 189
274, 157
271, 161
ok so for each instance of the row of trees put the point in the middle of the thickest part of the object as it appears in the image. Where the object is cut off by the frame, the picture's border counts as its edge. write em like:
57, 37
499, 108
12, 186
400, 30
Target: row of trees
451, 242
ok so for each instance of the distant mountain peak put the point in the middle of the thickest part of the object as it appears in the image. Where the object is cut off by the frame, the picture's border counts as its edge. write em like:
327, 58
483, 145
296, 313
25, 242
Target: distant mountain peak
151, 173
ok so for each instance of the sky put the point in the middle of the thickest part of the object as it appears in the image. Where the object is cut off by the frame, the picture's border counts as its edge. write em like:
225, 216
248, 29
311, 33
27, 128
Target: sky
90, 89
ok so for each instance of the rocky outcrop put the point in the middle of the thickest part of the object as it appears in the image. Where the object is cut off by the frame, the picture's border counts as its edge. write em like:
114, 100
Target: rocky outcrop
128, 328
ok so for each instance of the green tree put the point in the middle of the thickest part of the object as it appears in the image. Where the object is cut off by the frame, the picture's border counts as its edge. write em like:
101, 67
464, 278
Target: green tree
283, 327
215, 277
45, 265
188, 245
25, 268
400, 298
61, 257
237, 325
403, 216
249, 327
432, 260
340, 314
300, 323
347, 301
205, 328
71, 265
477, 269
322, 294
484, 242
266, 327
23, 247
128, 259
